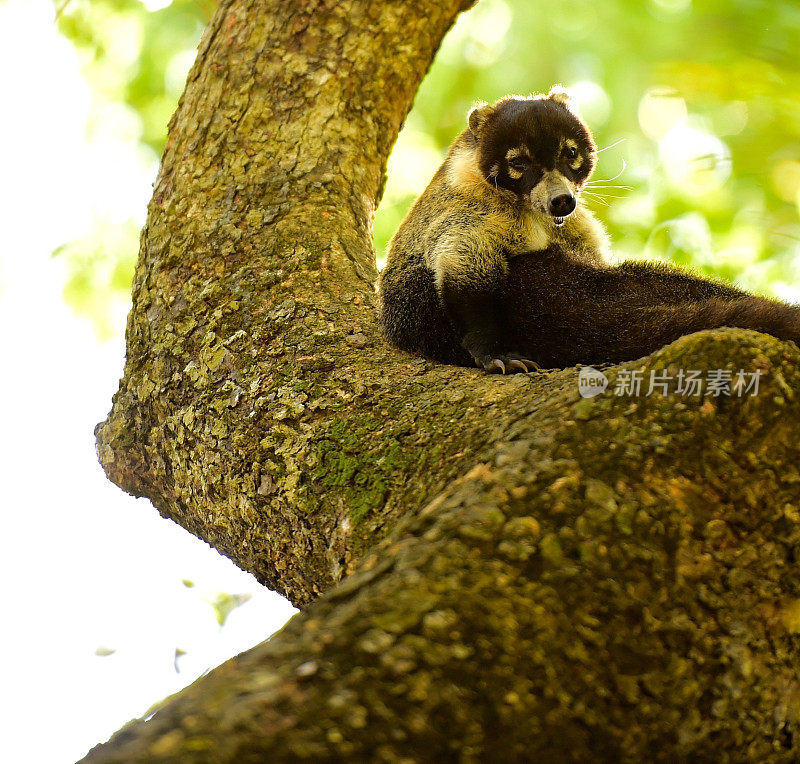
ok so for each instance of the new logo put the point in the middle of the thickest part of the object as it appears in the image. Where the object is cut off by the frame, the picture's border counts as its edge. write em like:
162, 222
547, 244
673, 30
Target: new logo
591, 382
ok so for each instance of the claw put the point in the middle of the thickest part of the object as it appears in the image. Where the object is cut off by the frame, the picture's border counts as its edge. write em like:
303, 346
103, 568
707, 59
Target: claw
506, 364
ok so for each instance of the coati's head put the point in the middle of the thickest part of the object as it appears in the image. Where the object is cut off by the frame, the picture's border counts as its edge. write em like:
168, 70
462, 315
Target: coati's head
536, 148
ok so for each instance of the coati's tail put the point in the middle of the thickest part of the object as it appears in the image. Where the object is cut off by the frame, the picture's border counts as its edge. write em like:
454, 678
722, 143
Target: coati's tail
412, 317
569, 313
752, 312
647, 329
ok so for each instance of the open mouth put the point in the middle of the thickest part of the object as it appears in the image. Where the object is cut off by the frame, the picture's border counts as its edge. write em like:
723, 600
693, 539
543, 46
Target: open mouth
558, 221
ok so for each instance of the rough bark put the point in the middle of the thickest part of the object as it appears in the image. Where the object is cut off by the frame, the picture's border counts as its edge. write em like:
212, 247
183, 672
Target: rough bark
259, 409
539, 576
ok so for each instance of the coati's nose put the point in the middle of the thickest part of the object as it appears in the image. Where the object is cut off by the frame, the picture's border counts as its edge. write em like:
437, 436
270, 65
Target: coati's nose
561, 205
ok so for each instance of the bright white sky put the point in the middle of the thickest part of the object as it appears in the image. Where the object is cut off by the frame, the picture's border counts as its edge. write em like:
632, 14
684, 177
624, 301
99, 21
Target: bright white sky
83, 566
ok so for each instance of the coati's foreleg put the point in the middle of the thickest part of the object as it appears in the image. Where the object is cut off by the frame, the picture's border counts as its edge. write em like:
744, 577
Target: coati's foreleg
412, 316
474, 300
570, 313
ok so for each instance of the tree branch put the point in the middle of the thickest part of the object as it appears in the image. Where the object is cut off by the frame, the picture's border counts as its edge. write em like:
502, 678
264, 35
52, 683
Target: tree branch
253, 410
614, 580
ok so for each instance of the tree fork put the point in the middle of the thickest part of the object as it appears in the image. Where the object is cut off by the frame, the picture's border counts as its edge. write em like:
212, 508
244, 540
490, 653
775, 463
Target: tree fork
538, 576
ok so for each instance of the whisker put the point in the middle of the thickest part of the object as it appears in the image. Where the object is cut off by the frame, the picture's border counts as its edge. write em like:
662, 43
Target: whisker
605, 196
608, 180
597, 184
599, 200
611, 146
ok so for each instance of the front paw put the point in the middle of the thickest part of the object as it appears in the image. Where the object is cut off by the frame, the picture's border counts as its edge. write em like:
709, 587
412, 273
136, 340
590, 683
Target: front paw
505, 364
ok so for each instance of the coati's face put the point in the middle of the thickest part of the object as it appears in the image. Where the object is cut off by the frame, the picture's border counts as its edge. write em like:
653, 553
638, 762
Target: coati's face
535, 148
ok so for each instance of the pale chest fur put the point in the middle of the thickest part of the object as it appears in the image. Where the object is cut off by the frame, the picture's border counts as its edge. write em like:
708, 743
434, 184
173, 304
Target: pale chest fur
527, 232
582, 235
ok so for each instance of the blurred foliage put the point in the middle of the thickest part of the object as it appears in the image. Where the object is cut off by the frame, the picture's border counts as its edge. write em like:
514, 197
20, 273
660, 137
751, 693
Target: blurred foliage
135, 57
703, 96
100, 270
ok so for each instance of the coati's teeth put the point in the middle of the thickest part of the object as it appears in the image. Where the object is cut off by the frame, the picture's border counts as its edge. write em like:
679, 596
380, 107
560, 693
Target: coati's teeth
558, 221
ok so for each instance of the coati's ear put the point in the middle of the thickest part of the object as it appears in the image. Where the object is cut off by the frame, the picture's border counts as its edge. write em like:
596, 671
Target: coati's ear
559, 94
477, 117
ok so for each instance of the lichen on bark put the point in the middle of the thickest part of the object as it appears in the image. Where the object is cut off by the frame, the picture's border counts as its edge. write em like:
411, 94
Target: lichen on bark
252, 351
527, 574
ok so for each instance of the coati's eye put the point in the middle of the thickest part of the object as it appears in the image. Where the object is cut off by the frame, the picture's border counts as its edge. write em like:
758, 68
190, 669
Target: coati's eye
571, 152
520, 164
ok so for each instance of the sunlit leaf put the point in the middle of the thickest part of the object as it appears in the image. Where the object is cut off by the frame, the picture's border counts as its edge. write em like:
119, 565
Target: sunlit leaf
179, 653
224, 604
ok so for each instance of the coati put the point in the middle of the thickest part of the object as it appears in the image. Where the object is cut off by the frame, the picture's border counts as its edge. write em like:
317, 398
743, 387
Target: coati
500, 264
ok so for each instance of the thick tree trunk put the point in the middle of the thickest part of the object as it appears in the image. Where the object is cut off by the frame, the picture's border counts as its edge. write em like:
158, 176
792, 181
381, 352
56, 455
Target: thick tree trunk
259, 408
538, 576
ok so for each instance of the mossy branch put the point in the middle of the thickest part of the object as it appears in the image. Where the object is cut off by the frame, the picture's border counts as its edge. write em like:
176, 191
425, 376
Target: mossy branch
614, 579
259, 408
